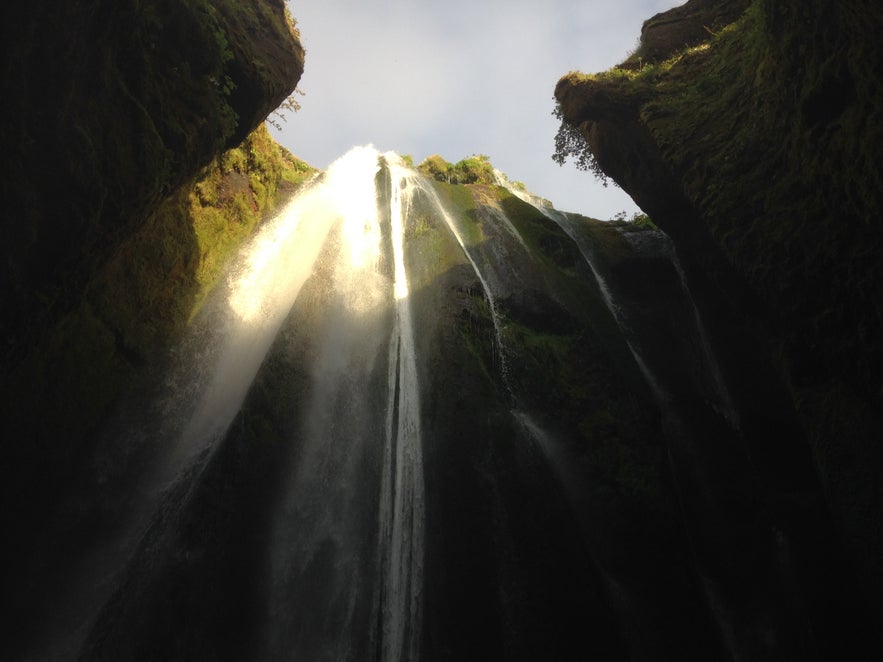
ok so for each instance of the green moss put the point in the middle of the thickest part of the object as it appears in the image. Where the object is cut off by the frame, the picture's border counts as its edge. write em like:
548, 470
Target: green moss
435, 167
475, 169
140, 302
462, 206
564, 376
159, 277
294, 171
770, 133
111, 109
419, 226
478, 335
806, 204
432, 249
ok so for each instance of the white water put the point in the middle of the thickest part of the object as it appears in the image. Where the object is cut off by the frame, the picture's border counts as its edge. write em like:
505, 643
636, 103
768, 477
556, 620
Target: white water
338, 585
401, 506
346, 553
322, 566
264, 283
261, 287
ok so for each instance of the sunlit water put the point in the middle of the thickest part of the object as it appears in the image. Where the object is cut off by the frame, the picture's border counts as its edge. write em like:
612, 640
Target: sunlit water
338, 587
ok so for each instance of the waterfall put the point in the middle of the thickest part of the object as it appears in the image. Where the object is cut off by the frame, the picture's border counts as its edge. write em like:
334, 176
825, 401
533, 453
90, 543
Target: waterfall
322, 289
404, 427
401, 507
338, 587
262, 286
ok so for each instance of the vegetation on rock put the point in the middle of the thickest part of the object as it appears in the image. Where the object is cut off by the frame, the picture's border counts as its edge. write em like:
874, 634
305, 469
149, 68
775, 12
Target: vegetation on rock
121, 201
749, 132
475, 169
110, 109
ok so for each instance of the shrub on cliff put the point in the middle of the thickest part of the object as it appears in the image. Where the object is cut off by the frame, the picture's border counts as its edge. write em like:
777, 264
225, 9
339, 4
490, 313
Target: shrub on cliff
570, 144
476, 169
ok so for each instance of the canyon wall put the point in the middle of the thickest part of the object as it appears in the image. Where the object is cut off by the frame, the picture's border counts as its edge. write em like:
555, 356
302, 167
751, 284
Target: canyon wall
750, 133
135, 160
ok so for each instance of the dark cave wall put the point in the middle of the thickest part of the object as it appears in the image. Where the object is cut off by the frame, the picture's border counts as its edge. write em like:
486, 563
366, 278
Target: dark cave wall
752, 140
121, 127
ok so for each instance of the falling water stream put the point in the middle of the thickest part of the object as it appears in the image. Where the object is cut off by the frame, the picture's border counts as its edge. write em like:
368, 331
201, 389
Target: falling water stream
370, 578
346, 542
401, 508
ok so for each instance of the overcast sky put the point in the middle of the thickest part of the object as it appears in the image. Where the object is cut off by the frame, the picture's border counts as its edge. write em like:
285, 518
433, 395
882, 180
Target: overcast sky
456, 78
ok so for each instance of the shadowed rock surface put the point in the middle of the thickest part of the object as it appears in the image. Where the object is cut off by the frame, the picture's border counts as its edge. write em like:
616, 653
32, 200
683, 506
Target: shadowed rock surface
753, 146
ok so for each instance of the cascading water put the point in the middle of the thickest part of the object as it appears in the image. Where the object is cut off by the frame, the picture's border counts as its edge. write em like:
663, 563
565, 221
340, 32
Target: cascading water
357, 579
410, 426
401, 509
345, 550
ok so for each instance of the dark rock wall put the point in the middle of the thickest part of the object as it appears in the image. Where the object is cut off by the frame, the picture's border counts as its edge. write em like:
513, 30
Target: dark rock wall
756, 150
111, 112
108, 108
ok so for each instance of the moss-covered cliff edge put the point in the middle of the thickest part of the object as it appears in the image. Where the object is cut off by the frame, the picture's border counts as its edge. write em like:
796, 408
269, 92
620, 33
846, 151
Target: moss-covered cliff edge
750, 132
108, 109
135, 160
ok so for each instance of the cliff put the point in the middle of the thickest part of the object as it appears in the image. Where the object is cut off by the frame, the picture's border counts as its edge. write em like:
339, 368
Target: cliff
110, 108
135, 160
750, 133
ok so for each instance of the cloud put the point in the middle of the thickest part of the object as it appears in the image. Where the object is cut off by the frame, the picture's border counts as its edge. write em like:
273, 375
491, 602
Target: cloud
458, 78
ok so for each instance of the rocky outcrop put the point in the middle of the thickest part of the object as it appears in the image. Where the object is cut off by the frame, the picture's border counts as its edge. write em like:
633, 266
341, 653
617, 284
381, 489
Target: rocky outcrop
685, 26
749, 132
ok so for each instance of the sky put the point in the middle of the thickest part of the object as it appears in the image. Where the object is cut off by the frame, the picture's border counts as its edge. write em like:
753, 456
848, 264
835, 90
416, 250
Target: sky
457, 78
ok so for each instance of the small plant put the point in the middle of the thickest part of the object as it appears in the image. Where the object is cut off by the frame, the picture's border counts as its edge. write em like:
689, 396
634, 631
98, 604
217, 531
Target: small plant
570, 144
291, 104
476, 169
637, 219
435, 167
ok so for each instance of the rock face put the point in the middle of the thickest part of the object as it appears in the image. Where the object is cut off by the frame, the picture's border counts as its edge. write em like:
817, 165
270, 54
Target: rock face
749, 132
108, 109
112, 112
685, 26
